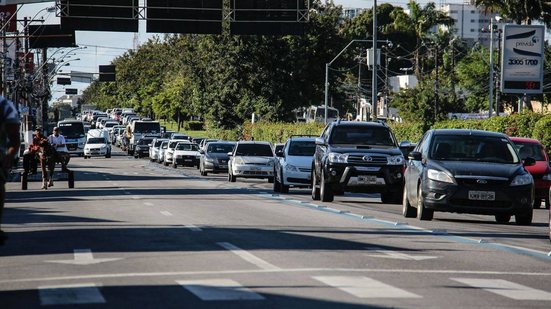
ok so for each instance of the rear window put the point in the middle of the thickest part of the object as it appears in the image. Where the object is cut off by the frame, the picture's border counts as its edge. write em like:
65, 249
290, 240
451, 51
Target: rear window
533, 150
186, 146
147, 127
362, 135
254, 150
220, 148
96, 140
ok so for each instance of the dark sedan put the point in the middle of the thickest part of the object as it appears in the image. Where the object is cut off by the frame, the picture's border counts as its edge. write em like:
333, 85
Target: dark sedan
466, 171
214, 157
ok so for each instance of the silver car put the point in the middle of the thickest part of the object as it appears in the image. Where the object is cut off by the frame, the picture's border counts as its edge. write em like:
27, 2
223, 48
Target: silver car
251, 160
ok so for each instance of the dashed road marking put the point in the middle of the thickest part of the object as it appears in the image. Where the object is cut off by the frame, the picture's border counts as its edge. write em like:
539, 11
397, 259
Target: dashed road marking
85, 293
166, 213
506, 288
148, 204
365, 287
247, 256
219, 289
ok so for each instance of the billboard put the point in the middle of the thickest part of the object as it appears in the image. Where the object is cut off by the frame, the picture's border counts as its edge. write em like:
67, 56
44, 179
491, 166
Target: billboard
7, 12
99, 15
184, 16
522, 59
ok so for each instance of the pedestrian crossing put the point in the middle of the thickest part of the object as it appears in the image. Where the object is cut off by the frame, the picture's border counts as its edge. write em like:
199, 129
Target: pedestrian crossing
362, 287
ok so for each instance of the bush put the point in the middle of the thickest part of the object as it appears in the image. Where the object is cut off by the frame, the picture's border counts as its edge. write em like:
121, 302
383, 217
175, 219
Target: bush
407, 131
542, 131
194, 125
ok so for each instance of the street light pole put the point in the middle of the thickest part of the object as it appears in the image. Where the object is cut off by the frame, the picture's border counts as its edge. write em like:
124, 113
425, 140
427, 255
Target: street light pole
374, 72
491, 83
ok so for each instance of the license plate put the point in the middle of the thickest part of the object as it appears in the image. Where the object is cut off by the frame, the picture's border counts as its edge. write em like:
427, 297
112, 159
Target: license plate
188, 160
367, 179
482, 195
223, 166
255, 168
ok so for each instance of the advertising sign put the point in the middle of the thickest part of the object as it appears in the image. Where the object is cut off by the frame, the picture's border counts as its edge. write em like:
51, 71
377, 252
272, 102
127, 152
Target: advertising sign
522, 59
7, 12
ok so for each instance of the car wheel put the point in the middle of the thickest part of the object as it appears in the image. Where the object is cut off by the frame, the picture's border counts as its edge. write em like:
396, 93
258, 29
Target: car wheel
284, 189
407, 210
165, 163
423, 213
524, 218
315, 188
326, 190
277, 185
547, 203
503, 218
537, 203
174, 165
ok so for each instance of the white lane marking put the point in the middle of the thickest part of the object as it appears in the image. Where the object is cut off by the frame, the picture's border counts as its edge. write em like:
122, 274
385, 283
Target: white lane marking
219, 289
148, 204
166, 213
389, 254
364, 287
83, 257
247, 256
136, 197
193, 228
85, 293
115, 184
506, 288
289, 270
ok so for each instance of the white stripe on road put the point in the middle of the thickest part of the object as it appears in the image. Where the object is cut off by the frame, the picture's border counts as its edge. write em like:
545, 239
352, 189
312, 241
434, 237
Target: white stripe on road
364, 287
166, 213
247, 256
219, 289
85, 293
148, 204
506, 288
193, 228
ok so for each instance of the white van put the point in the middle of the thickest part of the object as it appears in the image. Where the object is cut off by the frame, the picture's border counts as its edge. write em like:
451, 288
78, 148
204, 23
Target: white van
97, 144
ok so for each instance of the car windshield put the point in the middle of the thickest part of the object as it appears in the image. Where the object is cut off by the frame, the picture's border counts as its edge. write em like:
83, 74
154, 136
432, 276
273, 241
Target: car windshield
302, 148
361, 135
527, 149
220, 148
164, 145
147, 127
96, 140
472, 148
145, 141
158, 143
254, 150
186, 146
71, 129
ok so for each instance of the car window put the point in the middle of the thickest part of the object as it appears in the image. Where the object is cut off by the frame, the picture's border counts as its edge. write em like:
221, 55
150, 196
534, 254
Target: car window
472, 148
254, 150
361, 135
144, 141
527, 149
302, 148
220, 148
186, 146
158, 143
96, 140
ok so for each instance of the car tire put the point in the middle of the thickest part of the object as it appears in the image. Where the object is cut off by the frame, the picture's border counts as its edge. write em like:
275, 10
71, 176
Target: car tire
284, 189
524, 218
165, 163
408, 211
107, 156
537, 203
503, 218
423, 213
174, 165
547, 204
231, 178
326, 190
315, 188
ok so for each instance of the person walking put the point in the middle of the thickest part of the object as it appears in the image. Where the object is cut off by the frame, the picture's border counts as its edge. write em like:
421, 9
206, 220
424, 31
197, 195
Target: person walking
10, 142
58, 142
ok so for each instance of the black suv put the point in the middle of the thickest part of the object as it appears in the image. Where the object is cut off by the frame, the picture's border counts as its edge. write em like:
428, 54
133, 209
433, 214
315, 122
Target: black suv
357, 157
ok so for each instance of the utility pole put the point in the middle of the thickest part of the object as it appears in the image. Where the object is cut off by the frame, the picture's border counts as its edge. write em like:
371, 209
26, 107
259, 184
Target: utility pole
498, 80
436, 86
491, 83
46, 90
374, 72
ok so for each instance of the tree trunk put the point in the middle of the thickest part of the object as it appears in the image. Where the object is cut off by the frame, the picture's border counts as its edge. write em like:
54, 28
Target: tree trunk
179, 121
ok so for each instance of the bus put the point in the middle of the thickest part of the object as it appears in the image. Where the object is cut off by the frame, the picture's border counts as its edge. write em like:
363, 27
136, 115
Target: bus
75, 136
317, 114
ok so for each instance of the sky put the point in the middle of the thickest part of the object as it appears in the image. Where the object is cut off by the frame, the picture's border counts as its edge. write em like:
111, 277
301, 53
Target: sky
101, 48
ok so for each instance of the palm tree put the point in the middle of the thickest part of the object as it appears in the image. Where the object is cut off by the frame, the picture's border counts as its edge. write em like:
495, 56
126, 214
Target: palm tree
519, 11
420, 20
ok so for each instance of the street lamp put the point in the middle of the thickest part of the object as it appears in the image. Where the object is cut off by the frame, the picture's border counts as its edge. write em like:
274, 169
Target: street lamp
491, 82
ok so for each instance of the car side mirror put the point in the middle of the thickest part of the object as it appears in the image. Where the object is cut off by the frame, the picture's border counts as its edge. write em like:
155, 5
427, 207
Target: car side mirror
415, 155
320, 141
280, 153
529, 161
405, 144
149, 145
230, 154
201, 151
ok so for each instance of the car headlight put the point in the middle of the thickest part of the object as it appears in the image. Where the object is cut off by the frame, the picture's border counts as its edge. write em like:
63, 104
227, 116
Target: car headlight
395, 160
547, 176
291, 168
270, 163
238, 161
439, 176
103, 147
209, 160
81, 144
521, 180
335, 157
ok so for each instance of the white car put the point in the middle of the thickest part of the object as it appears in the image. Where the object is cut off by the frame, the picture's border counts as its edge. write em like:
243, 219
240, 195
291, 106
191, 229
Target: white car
293, 165
169, 151
186, 154
155, 148
162, 150
97, 147
251, 160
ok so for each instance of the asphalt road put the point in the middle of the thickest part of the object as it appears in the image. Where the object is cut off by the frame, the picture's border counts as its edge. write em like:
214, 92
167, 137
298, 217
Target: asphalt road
136, 234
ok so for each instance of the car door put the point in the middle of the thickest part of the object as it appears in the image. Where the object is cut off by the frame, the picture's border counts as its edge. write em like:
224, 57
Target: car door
321, 151
415, 168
